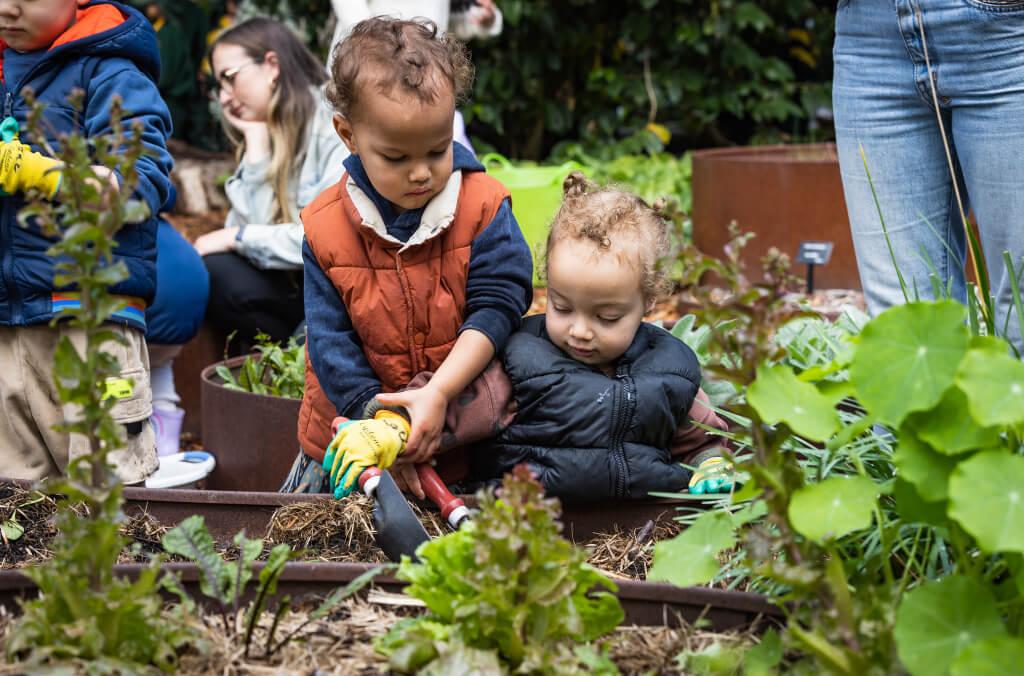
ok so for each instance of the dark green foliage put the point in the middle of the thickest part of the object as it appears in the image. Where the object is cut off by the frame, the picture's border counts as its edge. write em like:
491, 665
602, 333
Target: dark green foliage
276, 371
506, 585
84, 613
714, 72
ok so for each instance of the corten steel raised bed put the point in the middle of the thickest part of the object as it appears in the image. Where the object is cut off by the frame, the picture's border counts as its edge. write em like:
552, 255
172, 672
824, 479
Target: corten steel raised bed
645, 603
783, 194
227, 512
252, 436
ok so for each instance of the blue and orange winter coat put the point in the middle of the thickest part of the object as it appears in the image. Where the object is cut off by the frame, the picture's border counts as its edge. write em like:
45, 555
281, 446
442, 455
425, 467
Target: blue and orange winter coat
110, 51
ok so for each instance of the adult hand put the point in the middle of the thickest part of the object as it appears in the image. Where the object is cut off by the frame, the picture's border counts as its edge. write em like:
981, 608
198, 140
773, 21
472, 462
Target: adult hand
364, 443
256, 133
22, 169
217, 241
427, 407
714, 475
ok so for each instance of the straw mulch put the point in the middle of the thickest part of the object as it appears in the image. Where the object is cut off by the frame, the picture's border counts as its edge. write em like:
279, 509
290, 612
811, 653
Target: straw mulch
339, 530
628, 554
33, 512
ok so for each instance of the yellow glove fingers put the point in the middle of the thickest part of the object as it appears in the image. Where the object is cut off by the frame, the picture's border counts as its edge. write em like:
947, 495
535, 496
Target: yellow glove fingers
22, 169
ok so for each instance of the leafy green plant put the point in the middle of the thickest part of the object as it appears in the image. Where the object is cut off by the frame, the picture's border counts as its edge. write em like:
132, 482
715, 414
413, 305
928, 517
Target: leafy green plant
276, 371
929, 438
725, 72
84, 613
505, 592
227, 584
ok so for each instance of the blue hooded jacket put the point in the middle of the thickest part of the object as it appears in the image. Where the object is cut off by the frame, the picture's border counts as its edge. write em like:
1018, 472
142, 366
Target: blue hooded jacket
104, 59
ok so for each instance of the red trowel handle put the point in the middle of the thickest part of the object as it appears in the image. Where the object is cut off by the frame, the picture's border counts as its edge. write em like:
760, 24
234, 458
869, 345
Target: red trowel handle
453, 509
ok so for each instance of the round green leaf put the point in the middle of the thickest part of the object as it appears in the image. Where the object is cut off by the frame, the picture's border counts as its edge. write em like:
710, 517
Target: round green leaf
996, 656
907, 357
994, 384
912, 508
692, 556
833, 508
938, 620
779, 396
949, 428
986, 496
922, 466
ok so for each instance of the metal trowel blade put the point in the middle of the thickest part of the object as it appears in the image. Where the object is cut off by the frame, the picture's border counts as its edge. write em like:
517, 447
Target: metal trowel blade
398, 530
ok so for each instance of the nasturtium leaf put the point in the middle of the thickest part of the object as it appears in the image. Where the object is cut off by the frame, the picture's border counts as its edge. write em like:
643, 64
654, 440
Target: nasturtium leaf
995, 387
762, 659
949, 428
12, 530
833, 508
912, 508
986, 496
779, 397
990, 344
907, 357
919, 464
938, 620
997, 656
692, 556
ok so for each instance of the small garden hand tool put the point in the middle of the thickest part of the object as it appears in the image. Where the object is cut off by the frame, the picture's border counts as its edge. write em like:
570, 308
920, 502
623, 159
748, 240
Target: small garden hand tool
453, 509
398, 530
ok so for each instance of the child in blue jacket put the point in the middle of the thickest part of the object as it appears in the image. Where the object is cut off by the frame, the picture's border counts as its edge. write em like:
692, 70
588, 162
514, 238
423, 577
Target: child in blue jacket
106, 50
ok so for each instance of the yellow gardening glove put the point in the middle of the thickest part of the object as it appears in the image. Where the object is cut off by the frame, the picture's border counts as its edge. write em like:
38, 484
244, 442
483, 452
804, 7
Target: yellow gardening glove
21, 169
364, 443
714, 475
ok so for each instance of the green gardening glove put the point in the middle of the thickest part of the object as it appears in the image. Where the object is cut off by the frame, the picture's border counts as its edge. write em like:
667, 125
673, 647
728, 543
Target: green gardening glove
359, 444
714, 475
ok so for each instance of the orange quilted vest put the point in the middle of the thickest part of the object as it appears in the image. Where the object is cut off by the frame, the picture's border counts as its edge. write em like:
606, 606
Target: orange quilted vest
406, 305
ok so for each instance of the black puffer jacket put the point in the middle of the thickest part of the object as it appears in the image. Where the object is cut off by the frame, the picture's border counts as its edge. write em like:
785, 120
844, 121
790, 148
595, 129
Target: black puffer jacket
588, 436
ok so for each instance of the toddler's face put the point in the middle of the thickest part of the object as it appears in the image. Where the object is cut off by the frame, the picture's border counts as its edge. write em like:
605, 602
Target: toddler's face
595, 304
405, 145
27, 25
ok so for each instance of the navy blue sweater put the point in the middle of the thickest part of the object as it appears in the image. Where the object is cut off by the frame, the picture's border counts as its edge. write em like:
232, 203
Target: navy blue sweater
499, 289
122, 61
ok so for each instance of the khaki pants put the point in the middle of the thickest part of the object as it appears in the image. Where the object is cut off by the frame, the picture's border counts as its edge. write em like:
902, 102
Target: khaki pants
29, 405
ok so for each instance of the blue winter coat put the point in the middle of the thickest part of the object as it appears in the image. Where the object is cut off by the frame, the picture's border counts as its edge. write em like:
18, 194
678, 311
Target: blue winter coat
117, 61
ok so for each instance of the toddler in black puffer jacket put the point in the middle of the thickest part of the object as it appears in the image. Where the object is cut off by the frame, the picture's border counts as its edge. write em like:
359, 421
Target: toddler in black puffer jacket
605, 403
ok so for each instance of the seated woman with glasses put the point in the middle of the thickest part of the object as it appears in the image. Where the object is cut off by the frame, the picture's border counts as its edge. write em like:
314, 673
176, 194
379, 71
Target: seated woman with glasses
269, 88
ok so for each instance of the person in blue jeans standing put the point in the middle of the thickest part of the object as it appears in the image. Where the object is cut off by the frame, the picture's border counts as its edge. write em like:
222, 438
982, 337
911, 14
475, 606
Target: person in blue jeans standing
883, 103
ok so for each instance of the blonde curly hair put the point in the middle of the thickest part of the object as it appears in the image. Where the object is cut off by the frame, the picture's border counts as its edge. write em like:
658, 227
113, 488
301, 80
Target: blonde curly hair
618, 222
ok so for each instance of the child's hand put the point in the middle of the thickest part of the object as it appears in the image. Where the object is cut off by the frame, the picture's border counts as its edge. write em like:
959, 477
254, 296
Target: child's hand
363, 443
217, 241
22, 169
427, 407
714, 475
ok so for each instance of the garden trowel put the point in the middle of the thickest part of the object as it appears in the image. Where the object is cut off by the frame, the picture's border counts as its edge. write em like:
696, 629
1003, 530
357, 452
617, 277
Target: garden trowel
398, 530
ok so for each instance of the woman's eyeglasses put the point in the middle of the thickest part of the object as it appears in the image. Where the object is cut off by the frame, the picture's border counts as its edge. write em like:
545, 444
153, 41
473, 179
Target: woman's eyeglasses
226, 80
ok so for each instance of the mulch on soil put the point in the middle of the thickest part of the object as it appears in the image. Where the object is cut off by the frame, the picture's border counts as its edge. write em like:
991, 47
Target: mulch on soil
325, 529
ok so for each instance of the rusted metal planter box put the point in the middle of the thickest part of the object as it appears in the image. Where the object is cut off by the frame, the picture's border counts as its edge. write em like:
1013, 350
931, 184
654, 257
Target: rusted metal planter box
645, 603
252, 436
783, 194
227, 512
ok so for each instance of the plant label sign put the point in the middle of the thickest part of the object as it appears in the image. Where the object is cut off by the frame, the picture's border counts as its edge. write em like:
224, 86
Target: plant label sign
814, 253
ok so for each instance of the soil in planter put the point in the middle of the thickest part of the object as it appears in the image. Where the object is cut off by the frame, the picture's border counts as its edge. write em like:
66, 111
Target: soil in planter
28, 525
339, 530
627, 554
342, 643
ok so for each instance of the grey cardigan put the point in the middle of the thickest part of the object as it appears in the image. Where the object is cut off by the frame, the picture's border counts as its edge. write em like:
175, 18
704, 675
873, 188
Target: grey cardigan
278, 246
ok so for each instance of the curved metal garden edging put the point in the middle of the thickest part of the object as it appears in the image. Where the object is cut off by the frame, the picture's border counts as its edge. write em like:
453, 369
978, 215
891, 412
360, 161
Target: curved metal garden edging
645, 603
254, 437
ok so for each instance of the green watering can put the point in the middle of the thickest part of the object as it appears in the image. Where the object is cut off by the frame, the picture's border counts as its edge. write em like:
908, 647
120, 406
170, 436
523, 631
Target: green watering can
536, 194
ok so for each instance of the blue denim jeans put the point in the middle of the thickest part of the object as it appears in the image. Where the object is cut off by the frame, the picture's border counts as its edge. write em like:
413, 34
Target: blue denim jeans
883, 103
